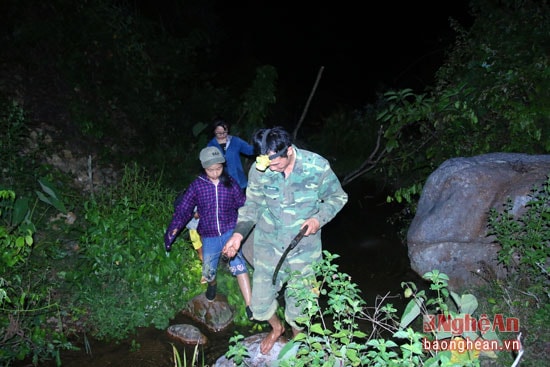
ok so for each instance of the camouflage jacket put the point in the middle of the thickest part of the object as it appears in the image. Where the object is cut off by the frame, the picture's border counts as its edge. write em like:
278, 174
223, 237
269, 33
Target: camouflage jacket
278, 206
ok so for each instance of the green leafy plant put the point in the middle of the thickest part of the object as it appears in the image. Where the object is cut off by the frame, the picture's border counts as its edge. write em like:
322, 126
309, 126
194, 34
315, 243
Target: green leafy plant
237, 352
25, 303
16, 224
524, 237
16, 232
124, 235
194, 359
443, 320
50, 197
334, 331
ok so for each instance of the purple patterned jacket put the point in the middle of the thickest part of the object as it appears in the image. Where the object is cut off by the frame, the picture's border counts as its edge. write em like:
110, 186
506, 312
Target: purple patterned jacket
217, 206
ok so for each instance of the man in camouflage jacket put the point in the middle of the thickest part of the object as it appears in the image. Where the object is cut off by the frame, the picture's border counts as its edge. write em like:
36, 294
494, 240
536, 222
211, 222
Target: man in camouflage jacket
299, 189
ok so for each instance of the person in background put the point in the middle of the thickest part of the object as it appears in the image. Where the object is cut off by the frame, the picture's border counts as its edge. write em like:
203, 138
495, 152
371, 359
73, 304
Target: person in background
299, 189
232, 147
217, 198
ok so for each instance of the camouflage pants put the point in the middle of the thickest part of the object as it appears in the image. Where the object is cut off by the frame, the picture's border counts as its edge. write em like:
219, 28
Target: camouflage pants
296, 270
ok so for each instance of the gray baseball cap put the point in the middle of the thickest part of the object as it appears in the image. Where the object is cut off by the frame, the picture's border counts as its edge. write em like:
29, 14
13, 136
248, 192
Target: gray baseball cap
210, 156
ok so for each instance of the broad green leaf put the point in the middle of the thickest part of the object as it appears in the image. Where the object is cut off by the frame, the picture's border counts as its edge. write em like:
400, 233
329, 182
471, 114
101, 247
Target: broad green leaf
43, 197
318, 329
402, 334
20, 242
412, 311
47, 187
20, 210
289, 350
468, 304
53, 200
359, 334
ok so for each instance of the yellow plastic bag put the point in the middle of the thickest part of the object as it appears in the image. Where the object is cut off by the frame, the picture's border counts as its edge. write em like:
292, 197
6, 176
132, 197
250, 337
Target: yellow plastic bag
195, 239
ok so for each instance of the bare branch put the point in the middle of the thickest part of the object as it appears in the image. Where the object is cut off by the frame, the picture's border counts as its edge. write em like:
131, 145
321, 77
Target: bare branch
295, 133
369, 163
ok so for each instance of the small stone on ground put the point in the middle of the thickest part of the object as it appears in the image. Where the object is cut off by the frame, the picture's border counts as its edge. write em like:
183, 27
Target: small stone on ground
187, 334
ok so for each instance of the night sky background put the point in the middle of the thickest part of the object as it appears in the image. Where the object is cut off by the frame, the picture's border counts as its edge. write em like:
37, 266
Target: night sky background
366, 48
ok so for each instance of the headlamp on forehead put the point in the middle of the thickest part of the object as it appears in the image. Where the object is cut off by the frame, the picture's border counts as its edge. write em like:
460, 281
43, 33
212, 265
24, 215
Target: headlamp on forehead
263, 161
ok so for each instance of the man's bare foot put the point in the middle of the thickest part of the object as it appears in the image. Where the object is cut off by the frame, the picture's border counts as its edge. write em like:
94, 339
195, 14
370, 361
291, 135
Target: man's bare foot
267, 343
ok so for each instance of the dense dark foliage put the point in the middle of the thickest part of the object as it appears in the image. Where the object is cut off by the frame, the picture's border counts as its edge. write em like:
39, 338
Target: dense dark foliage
99, 79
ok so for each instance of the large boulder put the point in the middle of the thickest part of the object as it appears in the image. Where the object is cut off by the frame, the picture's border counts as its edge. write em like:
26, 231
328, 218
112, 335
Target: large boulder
449, 231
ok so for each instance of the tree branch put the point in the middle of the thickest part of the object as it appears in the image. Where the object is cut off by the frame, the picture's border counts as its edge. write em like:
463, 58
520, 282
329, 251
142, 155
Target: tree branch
369, 163
295, 133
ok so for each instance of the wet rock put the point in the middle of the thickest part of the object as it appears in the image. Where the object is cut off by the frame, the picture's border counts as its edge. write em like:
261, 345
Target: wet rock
187, 334
215, 316
255, 358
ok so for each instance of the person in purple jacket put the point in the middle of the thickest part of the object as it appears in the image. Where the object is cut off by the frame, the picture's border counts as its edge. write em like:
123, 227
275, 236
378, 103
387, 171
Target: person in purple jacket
217, 197
232, 148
